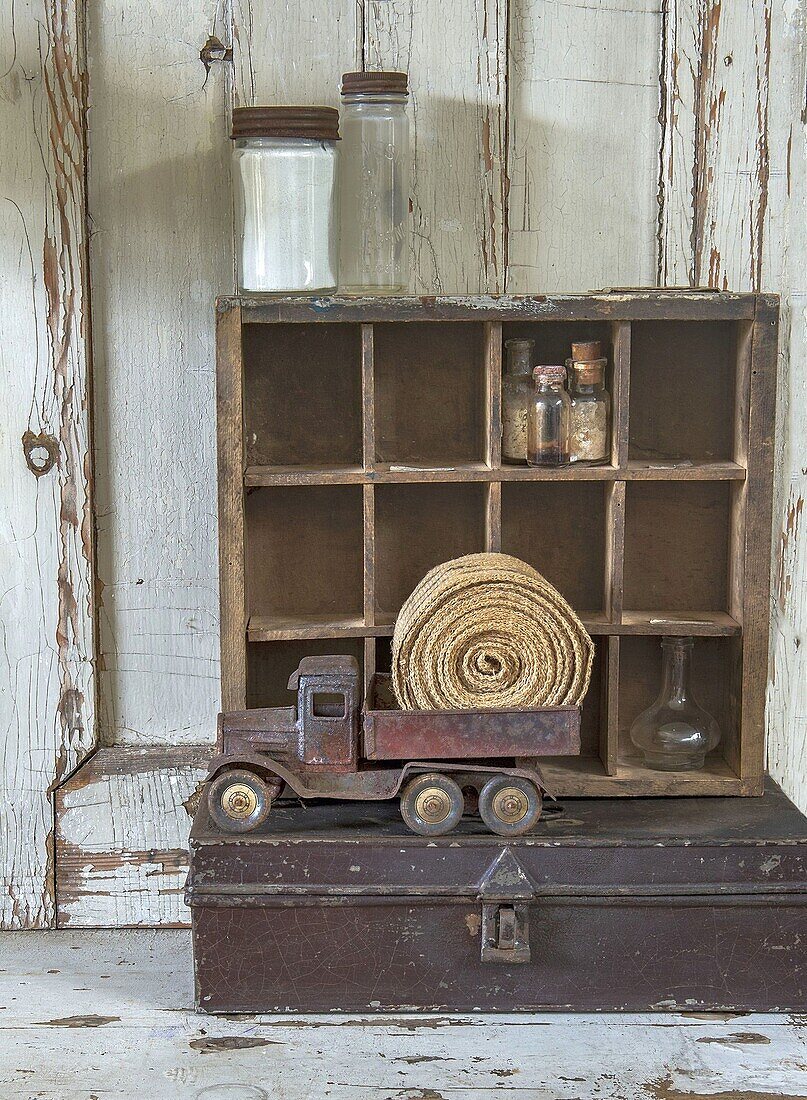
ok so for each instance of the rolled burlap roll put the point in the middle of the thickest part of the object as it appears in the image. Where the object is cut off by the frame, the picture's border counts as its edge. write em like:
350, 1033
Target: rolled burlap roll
484, 631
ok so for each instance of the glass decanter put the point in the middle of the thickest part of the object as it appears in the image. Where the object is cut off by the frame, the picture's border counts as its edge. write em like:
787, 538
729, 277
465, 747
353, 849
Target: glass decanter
675, 733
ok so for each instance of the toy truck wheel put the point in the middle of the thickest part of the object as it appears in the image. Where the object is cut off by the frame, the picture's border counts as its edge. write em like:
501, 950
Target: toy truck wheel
509, 805
432, 804
239, 800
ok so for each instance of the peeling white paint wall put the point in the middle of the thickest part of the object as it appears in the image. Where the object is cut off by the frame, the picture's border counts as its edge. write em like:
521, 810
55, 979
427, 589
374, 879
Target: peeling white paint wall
560, 146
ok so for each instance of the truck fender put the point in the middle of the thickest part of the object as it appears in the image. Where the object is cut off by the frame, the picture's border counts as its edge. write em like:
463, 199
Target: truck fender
251, 760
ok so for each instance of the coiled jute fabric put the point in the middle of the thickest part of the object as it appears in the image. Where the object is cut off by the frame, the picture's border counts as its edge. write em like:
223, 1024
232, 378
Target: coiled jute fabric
487, 630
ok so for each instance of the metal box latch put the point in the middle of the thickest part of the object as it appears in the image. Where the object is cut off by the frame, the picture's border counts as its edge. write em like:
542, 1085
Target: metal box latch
505, 892
505, 933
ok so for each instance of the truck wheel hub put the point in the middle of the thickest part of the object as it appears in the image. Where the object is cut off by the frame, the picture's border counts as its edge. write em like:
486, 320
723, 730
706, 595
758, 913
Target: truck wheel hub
511, 805
239, 801
433, 805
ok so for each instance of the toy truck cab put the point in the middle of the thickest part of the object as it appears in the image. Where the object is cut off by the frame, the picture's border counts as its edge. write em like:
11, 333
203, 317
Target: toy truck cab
327, 712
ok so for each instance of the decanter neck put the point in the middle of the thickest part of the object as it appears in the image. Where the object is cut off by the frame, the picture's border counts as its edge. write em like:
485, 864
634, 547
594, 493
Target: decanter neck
676, 662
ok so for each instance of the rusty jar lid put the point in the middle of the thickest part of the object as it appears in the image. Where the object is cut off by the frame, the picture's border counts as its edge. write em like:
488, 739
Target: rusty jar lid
314, 123
377, 83
549, 373
585, 351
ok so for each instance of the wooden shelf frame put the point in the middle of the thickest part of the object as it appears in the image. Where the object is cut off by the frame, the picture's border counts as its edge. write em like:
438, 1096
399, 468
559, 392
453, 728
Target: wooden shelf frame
736, 627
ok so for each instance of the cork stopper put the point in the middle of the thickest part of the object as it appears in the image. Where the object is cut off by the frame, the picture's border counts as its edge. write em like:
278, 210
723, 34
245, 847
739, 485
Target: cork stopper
549, 373
585, 351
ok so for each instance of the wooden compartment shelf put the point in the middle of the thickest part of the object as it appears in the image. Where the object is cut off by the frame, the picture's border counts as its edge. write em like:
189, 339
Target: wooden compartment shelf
359, 445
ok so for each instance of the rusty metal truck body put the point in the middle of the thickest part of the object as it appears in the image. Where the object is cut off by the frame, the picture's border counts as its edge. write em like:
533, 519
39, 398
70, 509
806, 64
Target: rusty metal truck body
328, 746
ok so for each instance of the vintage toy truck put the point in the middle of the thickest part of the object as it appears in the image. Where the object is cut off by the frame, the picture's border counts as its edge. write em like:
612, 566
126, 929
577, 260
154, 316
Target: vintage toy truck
328, 746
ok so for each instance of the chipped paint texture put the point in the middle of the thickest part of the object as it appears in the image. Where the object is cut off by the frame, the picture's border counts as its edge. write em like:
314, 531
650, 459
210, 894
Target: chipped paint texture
46, 684
122, 837
557, 146
159, 207
455, 52
583, 144
785, 268
124, 992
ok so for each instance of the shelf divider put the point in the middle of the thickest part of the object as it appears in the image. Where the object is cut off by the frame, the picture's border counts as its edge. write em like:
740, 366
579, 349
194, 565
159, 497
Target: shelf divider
493, 393
609, 722
620, 396
367, 397
230, 442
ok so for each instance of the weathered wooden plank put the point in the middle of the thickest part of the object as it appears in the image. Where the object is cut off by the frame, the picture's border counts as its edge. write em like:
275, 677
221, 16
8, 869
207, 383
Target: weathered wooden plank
583, 144
47, 691
732, 150
455, 52
159, 202
122, 828
681, 43
292, 51
784, 268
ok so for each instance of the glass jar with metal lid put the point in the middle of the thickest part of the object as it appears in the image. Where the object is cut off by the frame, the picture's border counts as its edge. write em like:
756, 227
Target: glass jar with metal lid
284, 168
375, 183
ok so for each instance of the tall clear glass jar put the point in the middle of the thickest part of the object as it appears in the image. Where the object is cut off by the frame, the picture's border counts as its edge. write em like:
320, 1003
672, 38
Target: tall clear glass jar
675, 733
590, 432
550, 418
374, 255
517, 391
284, 170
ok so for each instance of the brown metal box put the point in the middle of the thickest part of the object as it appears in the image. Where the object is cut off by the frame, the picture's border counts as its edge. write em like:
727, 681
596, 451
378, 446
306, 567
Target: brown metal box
608, 905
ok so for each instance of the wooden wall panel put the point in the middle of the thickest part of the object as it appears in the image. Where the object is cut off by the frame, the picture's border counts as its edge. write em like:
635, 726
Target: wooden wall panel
784, 269
618, 141
455, 52
127, 868
583, 144
159, 202
292, 51
46, 622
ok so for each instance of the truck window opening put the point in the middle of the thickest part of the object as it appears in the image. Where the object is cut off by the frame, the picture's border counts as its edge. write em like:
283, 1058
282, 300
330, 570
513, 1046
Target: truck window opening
328, 704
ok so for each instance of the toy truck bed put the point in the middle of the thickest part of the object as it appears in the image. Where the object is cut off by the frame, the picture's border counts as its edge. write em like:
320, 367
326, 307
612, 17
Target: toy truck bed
393, 734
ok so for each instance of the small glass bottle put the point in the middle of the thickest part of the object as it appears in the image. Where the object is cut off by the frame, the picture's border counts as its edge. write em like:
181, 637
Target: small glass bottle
549, 420
675, 733
374, 183
517, 391
591, 404
284, 169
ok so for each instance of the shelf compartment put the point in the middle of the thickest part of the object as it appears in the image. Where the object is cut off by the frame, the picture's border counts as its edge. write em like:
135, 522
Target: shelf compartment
304, 553
302, 395
418, 527
716, 672
270, 664
585, 777
677, 546
553, 339
683, 389
559, 529
430, 391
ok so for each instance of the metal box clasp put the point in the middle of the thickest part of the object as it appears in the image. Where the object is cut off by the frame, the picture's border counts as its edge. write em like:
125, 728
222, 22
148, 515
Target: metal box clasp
505, 933
505, 892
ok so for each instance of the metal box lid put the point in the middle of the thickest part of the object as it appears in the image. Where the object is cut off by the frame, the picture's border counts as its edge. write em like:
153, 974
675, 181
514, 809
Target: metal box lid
335, 851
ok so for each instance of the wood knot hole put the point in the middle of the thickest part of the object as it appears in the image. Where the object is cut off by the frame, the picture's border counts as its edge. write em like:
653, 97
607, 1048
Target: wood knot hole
41, 452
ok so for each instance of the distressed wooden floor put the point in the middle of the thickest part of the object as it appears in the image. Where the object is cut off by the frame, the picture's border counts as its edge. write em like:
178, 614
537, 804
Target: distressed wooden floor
96, 1015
